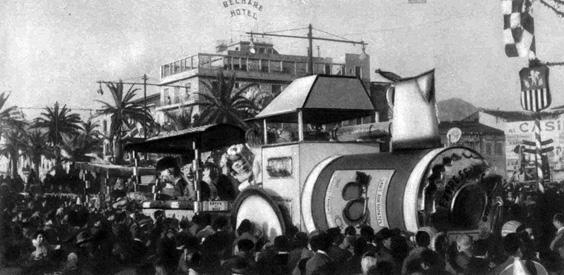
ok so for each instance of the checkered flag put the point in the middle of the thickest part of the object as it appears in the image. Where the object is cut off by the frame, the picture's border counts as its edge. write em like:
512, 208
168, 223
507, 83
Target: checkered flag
535, 94
518, 28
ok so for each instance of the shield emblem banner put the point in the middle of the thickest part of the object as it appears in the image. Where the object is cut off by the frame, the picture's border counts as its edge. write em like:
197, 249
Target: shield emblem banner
535, 94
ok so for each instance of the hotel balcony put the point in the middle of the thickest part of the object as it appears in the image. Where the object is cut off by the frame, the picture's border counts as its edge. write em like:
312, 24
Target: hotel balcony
262, 67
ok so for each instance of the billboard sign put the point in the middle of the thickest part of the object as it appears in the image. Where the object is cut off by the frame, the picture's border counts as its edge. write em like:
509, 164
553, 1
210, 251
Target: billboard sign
519, 141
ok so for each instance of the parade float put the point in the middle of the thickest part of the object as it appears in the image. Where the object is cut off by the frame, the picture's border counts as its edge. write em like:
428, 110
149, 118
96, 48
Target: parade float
317, 164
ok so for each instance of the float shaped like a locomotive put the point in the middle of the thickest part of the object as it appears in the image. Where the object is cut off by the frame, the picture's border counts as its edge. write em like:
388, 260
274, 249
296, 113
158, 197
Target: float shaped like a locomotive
315, 173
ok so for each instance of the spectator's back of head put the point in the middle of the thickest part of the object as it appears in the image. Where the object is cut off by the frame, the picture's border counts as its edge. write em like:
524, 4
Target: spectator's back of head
245, 226
511, 244
422, 239
320, 241
480, 247
367, 233
360, 246
335, 235
381, 268
245, 245
220, 223
350, 231
281, 243
429, 259
300, 240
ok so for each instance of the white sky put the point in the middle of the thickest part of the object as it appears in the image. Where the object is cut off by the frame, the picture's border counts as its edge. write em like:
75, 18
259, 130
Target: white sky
56, 50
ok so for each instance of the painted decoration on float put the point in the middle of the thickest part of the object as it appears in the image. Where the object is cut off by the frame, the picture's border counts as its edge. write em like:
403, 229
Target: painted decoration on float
361, 198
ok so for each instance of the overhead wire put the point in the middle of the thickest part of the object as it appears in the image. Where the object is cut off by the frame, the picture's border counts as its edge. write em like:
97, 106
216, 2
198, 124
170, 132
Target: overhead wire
340, 37
409, 26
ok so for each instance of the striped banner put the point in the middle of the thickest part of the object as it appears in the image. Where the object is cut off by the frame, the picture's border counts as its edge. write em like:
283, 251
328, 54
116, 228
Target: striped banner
535, 94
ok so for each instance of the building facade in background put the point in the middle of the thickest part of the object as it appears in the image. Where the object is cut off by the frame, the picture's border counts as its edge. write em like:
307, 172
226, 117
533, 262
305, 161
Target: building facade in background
486, 140
263, 65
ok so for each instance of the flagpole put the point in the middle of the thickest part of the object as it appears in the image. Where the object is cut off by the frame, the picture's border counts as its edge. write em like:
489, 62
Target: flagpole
538, 154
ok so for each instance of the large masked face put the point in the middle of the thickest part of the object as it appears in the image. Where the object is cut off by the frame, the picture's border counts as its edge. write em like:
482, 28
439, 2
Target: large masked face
166, 176
241, 170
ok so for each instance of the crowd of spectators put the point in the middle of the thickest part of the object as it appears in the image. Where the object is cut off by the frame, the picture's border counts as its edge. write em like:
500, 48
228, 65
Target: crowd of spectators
63, 234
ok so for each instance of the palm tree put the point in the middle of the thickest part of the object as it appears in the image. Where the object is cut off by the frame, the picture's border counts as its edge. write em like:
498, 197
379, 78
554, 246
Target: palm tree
89, 128
222, 103
76, 148
124, 114
11, 148
6, 119
36, 145
57, 121
180, 120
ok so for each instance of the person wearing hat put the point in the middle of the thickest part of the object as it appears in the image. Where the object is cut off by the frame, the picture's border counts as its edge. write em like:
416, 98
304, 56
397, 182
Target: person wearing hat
172, 183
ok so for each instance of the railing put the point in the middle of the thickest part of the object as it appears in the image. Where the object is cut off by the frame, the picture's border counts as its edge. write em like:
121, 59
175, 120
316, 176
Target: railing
249, 64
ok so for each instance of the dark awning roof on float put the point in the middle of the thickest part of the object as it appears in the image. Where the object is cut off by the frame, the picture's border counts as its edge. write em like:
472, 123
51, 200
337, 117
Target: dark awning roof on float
207, 138
114, 170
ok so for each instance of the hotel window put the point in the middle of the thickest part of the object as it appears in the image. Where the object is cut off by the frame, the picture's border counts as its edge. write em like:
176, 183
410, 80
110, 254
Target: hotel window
301, 68
187, 90
327, 69
288, 67
276, 89
243, 64
275, 66
165, 98
236, 63
498, 148
488, 148
176, 67
261, 50
254, 65
187, 64
264, 65
357, 71
176, 95
166, 70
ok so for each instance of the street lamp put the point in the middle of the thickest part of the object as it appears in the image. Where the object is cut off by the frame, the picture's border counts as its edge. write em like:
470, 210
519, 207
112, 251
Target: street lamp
252, 49
363, 55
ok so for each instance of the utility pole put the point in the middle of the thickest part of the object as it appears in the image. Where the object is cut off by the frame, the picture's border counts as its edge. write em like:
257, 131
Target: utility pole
146, 110
145, 103
310, 49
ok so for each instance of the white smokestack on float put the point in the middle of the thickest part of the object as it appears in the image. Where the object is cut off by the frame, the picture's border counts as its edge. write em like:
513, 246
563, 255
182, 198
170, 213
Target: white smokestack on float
414, 123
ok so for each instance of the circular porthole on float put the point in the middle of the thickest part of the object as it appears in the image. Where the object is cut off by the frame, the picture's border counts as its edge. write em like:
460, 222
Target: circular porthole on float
259, 208
354, 211
468, 205
352, 191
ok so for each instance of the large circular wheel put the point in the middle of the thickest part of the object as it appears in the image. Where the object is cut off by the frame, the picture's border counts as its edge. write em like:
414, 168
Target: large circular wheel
258, 207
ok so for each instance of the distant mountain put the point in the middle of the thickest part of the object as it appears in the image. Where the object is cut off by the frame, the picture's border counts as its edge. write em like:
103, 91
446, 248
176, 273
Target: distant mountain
455, 109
